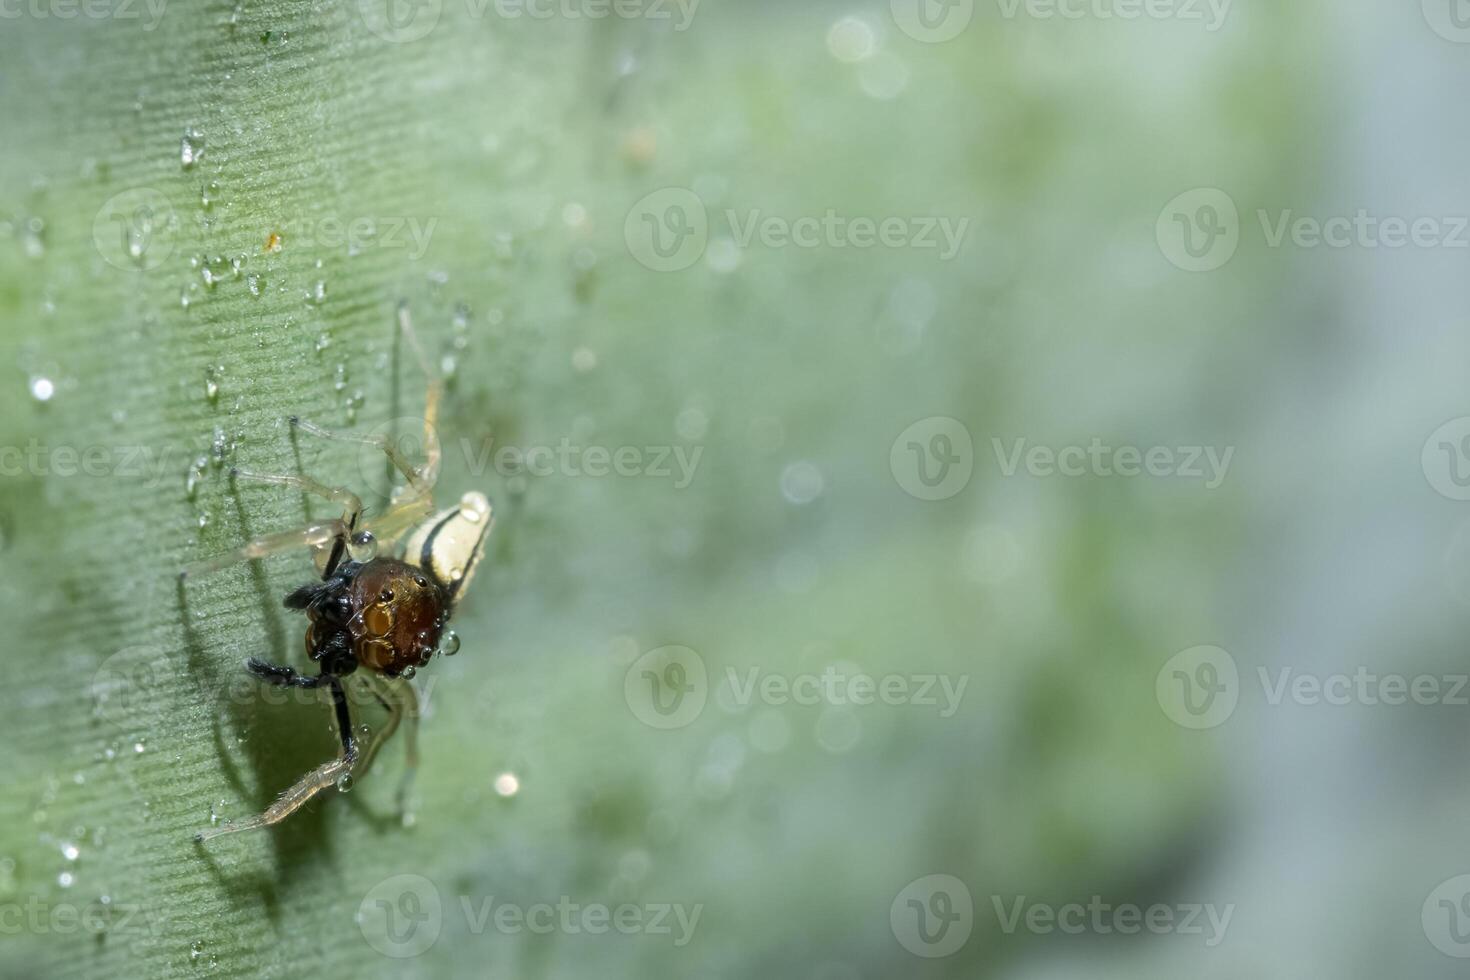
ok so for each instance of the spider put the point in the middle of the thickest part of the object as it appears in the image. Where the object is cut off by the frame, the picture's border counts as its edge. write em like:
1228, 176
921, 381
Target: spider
379, 618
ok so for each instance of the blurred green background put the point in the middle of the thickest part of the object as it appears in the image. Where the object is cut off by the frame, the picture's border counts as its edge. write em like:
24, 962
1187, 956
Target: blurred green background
208, 214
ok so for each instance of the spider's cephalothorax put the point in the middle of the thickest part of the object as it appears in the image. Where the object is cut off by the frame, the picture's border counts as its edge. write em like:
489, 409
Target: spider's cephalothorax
373, 619
385, 615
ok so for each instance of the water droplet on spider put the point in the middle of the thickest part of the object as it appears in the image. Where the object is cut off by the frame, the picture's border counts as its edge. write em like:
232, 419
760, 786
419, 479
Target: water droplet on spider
364, 732
42, 388
409, 673
449, 643
191, 147
363, 547
344, 783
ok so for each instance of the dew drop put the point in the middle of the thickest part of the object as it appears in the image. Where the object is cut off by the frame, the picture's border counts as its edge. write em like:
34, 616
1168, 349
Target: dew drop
33, 238
211, 383
507, 784
255, 283
196, 949
191, 147
70, 851
318, 293
66, 879
42, 388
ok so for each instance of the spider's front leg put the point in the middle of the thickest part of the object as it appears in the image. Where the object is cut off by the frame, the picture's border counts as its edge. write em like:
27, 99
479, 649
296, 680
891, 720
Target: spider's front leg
323, 777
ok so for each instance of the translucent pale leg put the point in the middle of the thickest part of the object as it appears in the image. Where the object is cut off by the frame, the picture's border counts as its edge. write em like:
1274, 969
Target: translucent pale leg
349, 501
402, 701
322, 777
325, 776
413, 502
317, 535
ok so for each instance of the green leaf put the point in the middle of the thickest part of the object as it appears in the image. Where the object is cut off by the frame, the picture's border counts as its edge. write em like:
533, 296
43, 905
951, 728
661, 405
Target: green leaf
212, 216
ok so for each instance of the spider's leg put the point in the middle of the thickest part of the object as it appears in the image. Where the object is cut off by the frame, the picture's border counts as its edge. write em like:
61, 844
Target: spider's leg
421, 479
402, 701
315, 536
279, 676
322, 777
351, 508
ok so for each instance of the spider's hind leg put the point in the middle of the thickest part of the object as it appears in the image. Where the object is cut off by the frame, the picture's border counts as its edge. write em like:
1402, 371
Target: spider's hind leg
321, 778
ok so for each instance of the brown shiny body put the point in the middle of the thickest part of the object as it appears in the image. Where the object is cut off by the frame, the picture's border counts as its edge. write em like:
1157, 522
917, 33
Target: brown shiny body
388, 615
